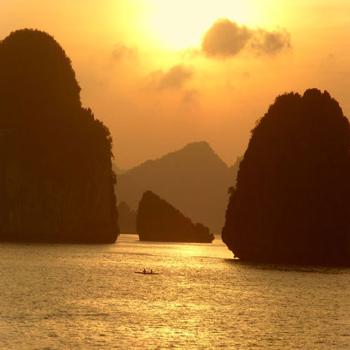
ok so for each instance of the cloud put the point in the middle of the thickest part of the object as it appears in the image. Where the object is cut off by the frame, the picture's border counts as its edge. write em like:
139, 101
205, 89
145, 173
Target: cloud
226, 39
190, 98
270, 43
174, 78
121, 51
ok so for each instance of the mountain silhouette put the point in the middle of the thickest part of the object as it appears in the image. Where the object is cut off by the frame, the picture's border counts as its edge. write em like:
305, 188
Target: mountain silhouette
194, 179
127, 218
292, 201
157, 220
56, 178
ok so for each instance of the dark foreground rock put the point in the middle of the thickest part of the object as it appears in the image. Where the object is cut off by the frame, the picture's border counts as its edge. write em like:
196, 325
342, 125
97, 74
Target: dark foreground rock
56, 178
292, 201
157, 220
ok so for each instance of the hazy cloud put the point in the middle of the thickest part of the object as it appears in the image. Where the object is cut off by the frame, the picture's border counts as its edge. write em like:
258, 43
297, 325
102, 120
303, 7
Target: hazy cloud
271, 43
226, 39
121, 51
190, 97
174, 78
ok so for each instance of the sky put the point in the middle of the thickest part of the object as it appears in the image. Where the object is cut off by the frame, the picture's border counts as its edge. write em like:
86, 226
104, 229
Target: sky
164, 73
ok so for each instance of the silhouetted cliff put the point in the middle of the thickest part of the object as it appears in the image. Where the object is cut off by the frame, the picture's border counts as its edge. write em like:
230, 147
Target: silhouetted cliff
56, 178
157, 220
194, 179
292, 201
127, 218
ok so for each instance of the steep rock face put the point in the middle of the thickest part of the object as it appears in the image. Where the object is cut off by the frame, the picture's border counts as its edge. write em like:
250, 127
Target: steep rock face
292, 201
157, 220
56, 178
194, 179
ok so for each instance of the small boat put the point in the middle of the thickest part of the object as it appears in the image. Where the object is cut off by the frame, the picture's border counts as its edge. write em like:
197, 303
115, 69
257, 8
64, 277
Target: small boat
147, 273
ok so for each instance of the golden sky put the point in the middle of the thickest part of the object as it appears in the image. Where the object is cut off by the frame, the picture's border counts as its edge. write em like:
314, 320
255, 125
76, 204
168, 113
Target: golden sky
163, 73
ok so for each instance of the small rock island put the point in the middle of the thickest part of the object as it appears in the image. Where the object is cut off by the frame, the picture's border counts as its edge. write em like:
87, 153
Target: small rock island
56, 178
159, 221
292, 200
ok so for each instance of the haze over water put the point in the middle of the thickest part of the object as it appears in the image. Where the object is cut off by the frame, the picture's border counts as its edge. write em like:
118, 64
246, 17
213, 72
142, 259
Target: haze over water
88, 297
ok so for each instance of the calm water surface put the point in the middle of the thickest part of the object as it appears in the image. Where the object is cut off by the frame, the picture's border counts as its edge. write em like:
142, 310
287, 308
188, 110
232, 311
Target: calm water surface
88, 297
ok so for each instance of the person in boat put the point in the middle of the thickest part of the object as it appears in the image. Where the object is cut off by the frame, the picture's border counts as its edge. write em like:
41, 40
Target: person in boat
144, 271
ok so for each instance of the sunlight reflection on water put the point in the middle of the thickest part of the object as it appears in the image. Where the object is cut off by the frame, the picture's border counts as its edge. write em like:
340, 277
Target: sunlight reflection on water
82, 297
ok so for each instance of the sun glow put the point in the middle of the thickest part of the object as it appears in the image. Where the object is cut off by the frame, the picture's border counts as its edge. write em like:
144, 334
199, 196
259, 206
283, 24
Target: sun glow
180, 24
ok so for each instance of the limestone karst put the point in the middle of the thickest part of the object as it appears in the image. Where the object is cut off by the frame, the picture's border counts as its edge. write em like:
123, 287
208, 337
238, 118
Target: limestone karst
292, 199
157, 220
56, 178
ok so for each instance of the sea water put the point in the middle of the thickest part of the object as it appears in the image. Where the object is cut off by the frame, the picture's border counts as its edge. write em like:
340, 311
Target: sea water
89, 297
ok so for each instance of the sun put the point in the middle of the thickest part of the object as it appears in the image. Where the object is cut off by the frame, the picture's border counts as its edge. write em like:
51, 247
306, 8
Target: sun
180, 24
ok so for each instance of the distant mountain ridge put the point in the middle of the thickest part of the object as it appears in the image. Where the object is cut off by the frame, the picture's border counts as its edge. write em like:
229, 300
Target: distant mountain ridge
194, 179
